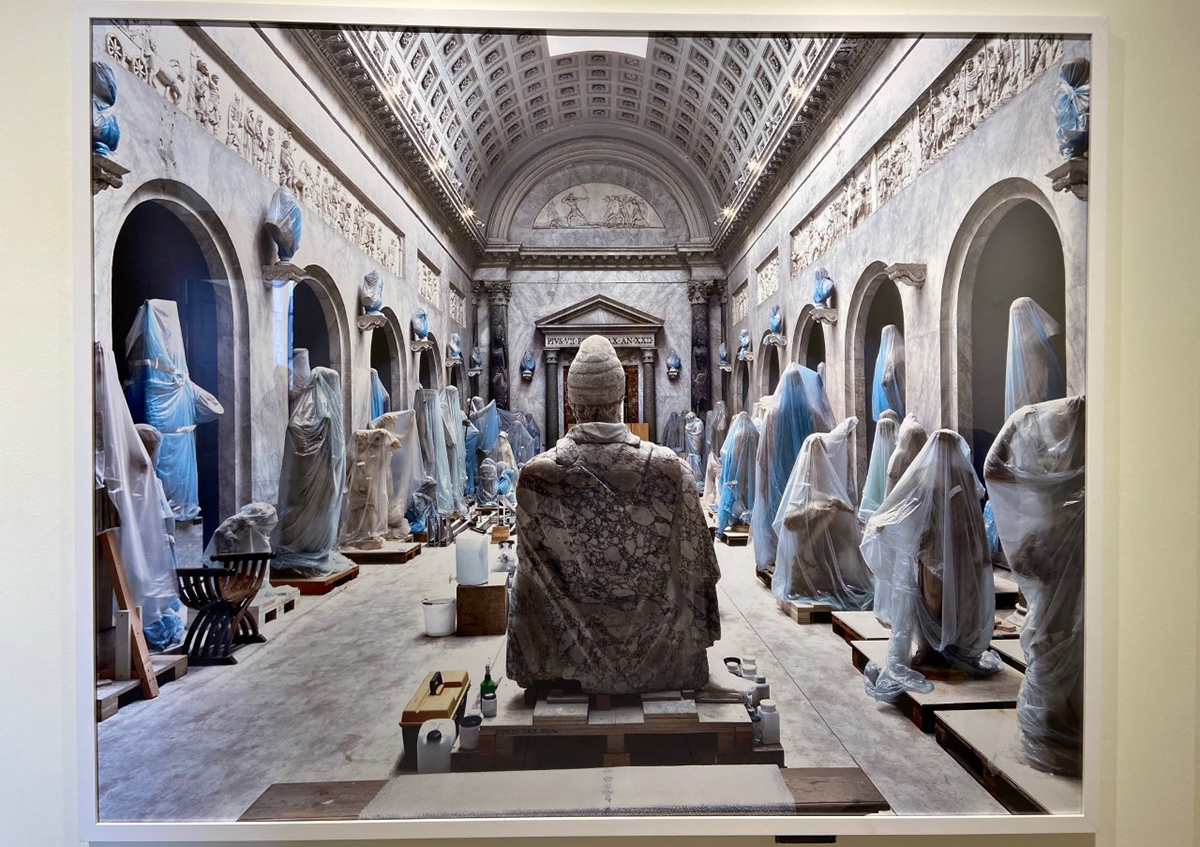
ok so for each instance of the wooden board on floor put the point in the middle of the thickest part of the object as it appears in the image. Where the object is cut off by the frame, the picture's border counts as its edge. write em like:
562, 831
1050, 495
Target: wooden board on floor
315, 585
817, 791
1010, 651
112, 695
806, 613
859, 626
735, 537
998, 691
985, 742
391, 553
1006, 592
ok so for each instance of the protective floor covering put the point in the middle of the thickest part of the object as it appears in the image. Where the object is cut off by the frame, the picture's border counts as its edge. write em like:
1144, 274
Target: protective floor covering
321, 700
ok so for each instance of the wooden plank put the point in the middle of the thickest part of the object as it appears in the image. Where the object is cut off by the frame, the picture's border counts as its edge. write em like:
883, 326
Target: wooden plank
807, 613
765, 576
833, 791
1006, 592
110, 552
309, 801
997, 691
1010, 651
112, 696
984, 742
859, 626
732, 538
391, 553
316, 585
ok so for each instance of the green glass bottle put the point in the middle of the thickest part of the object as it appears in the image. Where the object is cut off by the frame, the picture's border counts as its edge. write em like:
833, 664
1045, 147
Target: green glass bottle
488, 686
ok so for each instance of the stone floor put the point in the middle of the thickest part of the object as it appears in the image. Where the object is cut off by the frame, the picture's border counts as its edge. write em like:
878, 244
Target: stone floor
322, 698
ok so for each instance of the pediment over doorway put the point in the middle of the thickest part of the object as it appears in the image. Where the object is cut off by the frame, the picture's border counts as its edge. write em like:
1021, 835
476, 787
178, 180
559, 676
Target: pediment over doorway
623, 325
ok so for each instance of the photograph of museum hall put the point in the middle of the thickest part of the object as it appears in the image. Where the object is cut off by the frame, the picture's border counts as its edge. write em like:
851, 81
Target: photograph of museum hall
506, 423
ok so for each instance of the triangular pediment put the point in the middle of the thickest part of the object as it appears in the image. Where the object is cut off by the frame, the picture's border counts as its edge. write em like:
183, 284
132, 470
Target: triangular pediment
600, 313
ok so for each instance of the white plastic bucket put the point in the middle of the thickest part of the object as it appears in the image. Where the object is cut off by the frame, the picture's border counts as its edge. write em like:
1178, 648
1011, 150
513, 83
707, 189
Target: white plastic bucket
439, 615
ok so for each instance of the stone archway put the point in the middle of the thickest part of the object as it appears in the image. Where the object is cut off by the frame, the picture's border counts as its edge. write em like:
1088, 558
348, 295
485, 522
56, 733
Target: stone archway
393, 333
320, 284
210, 290
808, 339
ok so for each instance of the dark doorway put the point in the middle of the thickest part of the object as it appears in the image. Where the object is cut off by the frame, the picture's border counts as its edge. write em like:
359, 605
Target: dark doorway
815, 352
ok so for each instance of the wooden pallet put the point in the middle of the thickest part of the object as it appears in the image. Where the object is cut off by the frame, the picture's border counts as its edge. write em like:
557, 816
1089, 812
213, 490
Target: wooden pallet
315, 585
1006, 592
806, 613
817, 791
735, 537
391, 553
765, 576
859, 626
269, 609
984, 741
111, 696
574, 730
1010, 651
998, 691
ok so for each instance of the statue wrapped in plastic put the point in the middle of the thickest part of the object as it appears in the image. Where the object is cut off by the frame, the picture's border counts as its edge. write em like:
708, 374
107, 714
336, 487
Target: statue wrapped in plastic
283, 222
453, 419
246, 531
487, 484
799, 409
106, 133
818, 560
435, 455
1033, 373
823, 288
406, 470
673, 436
380, 399
370, 293
736, 484
716, 427
311, 486
365, 513
927, 542
161, 393
910, 440
487, 421
1072, 108
887, 386
875, 488
126, 471
693, 431
1035, 475
520, 440
301, 374
616, 575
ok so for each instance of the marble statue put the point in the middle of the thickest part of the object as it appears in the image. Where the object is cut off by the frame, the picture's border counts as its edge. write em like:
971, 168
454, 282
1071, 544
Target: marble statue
301, 373
486, 483
407, 468
246, 531
1072, 107
528, 365
420, 325
693, 431
716, 427
283, 223
365, 513
927, 542
106, 134
454, 348
616, 576
774, 336
476, 364
1035, 478
370, 293
823, 288
674, 366
744, 354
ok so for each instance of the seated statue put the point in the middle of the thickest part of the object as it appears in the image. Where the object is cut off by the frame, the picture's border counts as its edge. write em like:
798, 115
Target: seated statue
616, 574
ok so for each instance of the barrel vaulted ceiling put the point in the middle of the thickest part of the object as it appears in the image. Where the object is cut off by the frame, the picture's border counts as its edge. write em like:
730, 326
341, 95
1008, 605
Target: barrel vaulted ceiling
463, 110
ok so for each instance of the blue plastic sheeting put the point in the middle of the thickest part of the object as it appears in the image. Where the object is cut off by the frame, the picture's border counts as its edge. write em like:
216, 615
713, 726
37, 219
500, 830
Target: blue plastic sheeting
487, 421
380, 400
798, 408
887, 386
993, 536
1033, 373
471, 442
422, 510
523, 445
431, 432
926, 541
736, 484
125, 469
875, 487
534, 436
818, 560
822, 286
420, 324
505, 477
314, 474
161, 393
283, 223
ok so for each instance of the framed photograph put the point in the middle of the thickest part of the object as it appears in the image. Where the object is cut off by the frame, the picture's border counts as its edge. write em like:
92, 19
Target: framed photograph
587, 423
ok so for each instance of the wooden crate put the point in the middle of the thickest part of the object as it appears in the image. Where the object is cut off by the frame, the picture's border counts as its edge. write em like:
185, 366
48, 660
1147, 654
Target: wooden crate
806, 613
983, 741
482, 609
315, 585
766, 575
735, 536
998, 691
391, 553
112, 695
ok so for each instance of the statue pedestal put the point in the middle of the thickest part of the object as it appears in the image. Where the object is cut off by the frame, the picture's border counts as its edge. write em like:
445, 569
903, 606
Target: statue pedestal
825, 316
284, 272
106, 173
1071, 175
420, 345
371, 320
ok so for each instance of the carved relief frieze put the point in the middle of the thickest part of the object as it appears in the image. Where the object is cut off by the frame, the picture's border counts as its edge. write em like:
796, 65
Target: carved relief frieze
741, 301
458, 306
990, 73
596, 204
429, 282
178, 69
768, 278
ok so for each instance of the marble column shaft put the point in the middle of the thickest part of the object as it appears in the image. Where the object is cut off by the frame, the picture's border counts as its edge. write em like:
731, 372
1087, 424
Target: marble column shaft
701, 399
553, 377
498, 297
649, 394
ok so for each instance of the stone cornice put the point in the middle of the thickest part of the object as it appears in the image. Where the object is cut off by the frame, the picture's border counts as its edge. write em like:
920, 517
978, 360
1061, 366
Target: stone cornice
679, 257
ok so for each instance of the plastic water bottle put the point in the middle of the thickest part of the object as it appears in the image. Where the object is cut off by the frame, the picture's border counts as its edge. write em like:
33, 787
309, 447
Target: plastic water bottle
769, 716
435, 740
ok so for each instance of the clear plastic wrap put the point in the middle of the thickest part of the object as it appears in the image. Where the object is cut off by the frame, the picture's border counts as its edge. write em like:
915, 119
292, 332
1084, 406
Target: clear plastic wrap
716, 427
504, 452
910, 439
693, 432
284, 222
311, 485
736, 484
801, 410
712, 482
927, 542
126, 471
453, 419
365, 512
1032, 373
673, 435
247, 531
161, 393
487, 421
818, 558
887, 386
520, 439
875, 488
380, 399
407, 467
487, 488
1035, 475
301, 372
431, 433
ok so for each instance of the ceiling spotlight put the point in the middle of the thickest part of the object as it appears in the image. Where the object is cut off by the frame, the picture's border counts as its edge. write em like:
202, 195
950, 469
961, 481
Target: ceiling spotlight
469, 213
795, 90
754, 165
728, 211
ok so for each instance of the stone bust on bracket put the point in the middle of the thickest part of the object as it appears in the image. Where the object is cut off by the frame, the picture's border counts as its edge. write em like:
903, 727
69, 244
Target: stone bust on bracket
616, 578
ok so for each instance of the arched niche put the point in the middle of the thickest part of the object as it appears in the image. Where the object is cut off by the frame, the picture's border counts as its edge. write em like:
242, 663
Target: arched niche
320, 325
741, 386
773, 363
1008, 246
808, 339
171, 245
874, 304
427, 366
391, 335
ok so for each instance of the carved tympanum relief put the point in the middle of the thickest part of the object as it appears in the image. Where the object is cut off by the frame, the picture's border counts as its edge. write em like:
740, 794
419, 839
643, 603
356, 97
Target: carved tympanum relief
194, 86
989, 74
598, 204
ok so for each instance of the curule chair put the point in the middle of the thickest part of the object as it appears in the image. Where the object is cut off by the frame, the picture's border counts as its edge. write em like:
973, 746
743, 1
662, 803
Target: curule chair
222, 596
